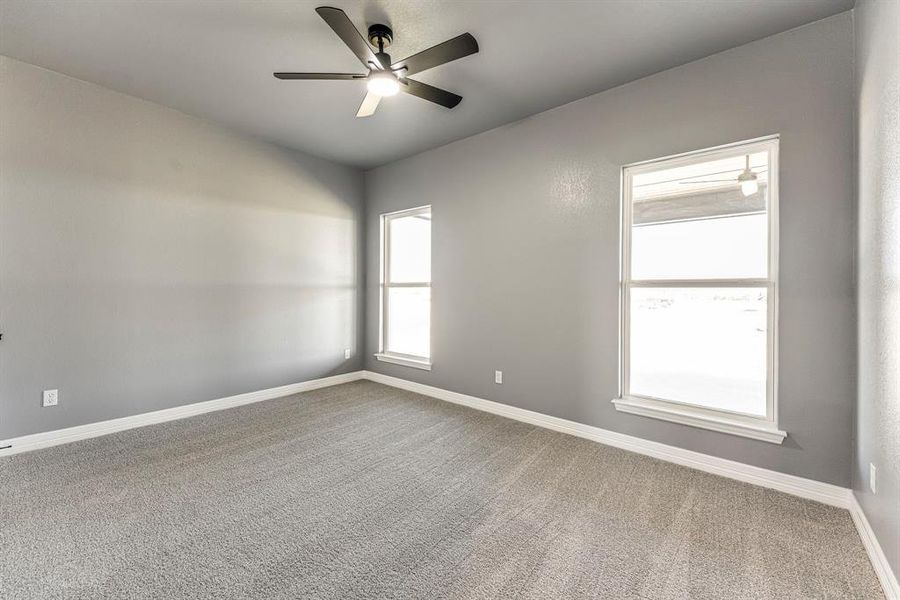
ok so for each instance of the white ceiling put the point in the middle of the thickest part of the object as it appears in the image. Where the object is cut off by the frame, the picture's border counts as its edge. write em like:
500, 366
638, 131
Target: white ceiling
215, 59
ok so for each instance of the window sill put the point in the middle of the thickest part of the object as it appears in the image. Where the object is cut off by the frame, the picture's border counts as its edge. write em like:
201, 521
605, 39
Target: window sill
416, 363
685, 415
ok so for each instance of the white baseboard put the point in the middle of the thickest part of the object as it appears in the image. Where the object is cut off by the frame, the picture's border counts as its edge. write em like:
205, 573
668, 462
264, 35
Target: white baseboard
876, 555
791, 484
46, 439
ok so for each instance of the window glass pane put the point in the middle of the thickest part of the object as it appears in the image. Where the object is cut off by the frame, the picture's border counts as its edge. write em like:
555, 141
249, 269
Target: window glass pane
702, 346
409, 321
718, 248
410, 251
702, 220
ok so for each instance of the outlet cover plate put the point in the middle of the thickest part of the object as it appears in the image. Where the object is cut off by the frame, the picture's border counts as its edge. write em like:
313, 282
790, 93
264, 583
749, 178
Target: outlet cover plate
51, 398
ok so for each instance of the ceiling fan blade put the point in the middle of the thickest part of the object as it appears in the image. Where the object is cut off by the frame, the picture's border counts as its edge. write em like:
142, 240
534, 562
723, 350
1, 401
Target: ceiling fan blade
343, 27
368, 106
458, 47
430, 93
333, 76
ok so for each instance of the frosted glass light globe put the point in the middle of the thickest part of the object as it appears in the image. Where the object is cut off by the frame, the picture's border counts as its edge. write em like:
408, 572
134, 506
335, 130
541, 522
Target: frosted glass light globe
383, 84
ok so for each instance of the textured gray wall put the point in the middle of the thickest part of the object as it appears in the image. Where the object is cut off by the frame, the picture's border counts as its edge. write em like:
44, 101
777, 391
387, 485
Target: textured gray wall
149, 259
878, 410
526, 242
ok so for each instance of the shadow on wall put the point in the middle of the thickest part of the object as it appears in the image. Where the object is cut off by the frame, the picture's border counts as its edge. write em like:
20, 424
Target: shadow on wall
178, 262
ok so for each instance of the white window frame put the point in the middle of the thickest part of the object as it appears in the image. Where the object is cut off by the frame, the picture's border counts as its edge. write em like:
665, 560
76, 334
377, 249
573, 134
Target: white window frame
397, 358
763, 428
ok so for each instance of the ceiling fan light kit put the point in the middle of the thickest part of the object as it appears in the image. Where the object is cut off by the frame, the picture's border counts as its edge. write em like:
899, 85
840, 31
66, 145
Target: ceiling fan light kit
385, 79
383, 84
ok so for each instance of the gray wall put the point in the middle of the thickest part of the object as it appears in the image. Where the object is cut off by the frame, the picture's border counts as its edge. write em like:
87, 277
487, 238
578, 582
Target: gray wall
149, 259
526, 242
878, 410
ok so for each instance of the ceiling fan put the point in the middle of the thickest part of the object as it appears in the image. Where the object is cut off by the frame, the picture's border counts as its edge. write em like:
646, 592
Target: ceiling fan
748, 180
384, 78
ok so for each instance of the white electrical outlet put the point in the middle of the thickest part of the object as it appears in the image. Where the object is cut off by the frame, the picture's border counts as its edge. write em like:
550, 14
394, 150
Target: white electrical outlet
872, 481
498, 376
51, 397
346, 353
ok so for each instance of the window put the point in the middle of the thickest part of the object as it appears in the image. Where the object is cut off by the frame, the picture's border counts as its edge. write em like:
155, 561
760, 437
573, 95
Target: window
406, 288
699, 289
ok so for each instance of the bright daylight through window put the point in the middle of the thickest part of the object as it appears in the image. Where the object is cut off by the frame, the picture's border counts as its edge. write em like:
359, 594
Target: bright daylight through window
699, 293
406, 288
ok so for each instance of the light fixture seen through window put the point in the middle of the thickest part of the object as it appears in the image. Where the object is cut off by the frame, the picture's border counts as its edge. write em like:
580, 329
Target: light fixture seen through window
749, 183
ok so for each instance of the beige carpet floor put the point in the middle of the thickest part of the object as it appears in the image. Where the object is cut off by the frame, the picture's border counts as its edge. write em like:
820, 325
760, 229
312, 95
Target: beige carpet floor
365, 491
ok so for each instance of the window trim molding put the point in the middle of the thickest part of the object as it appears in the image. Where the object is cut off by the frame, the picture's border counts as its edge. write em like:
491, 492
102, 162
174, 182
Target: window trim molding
697, 416
401, 359
397, 358
763, 428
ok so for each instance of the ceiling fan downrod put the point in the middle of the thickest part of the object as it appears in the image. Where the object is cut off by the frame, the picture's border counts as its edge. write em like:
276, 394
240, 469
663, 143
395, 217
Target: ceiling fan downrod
381, 36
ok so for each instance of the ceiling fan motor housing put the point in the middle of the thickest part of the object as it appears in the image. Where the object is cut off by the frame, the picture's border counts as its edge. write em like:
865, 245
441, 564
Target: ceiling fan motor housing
380, 35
